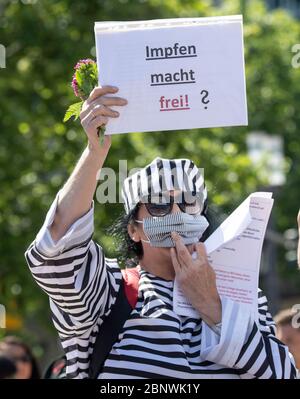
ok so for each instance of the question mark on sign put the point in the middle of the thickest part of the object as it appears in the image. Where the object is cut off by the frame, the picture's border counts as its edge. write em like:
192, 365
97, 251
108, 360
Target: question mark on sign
204, 99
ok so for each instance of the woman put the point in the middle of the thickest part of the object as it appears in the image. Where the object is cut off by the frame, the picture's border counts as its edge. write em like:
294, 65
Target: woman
166, 206
7, 368
21, 355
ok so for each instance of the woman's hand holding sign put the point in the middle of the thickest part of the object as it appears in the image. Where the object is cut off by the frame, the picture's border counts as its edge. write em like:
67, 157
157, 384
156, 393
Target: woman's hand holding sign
76, 196
96, 112
197, 280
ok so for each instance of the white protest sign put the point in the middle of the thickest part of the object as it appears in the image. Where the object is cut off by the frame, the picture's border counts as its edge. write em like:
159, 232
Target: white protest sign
234, 252
176, 73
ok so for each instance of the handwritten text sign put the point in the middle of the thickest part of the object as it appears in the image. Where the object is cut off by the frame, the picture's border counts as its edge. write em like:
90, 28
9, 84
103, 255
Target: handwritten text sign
175, 74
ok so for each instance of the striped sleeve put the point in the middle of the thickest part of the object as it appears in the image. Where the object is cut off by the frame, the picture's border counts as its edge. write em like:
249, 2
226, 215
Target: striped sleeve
81, 283
246, 345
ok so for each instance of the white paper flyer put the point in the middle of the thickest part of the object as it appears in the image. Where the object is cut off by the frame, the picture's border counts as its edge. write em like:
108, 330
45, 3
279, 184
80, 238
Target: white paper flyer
234, 251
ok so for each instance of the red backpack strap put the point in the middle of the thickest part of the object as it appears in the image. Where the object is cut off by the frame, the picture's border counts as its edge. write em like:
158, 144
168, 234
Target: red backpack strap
131, 279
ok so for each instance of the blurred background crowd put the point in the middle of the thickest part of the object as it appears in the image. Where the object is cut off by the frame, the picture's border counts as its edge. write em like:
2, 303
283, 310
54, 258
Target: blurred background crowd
42, 41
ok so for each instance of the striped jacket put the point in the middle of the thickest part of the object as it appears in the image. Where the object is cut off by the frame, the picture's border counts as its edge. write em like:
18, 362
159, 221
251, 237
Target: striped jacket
82, 285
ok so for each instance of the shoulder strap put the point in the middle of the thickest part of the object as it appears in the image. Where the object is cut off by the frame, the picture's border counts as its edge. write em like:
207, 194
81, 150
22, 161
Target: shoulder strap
57, 369
113, 324
131, 279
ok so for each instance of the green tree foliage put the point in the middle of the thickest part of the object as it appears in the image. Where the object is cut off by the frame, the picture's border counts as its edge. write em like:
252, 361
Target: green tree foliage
44, 40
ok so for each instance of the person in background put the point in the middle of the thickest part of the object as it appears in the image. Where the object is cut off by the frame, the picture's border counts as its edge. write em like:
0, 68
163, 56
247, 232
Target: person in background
19, 353
298, 220
8, 368
286, 332
289, 334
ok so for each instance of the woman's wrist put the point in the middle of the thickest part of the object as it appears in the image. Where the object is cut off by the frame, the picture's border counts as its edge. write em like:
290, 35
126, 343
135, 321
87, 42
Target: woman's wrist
211, 313
96, 154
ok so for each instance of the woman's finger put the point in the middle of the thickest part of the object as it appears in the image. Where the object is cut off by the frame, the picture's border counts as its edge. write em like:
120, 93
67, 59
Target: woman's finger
97, 122
100, 91
183, 254
113, 101
101, 110
201, 252
175, 261
100, 102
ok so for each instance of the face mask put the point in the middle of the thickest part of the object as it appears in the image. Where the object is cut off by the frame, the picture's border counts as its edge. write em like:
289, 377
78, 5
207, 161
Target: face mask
158, 229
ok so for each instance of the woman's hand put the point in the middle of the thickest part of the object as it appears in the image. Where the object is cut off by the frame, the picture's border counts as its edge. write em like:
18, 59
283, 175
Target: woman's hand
77, 194
197, 280
96, 112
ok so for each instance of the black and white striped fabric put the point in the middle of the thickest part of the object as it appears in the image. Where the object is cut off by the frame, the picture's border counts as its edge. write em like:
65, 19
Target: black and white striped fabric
82, 285
163, 175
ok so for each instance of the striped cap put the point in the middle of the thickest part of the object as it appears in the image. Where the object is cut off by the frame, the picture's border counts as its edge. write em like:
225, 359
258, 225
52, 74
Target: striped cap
161, 176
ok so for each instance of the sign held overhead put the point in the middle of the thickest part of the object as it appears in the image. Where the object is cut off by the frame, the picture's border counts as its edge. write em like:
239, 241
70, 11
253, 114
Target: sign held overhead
191, 66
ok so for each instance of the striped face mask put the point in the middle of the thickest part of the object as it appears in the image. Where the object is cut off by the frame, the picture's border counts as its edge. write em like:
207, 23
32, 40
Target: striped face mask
158, 229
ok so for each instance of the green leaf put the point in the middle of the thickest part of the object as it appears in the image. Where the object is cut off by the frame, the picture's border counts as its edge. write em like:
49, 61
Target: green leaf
87, 79
101, 133
73, 110
78, 76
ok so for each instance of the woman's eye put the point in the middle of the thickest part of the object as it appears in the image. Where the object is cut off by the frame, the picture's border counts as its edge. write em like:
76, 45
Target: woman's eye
159, 206
159, 209
191, 203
